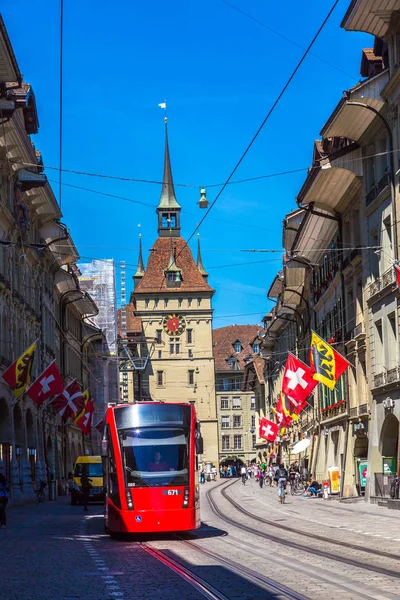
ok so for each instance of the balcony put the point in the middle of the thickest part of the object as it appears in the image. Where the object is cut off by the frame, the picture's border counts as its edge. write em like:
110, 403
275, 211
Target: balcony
381, 283
377, 189
390, 377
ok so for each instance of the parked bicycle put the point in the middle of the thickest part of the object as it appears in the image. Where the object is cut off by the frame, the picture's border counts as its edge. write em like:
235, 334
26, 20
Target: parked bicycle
297, 486
40, 495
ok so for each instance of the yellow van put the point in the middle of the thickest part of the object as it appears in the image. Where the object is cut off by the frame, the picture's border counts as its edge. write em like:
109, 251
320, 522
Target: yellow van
92, 465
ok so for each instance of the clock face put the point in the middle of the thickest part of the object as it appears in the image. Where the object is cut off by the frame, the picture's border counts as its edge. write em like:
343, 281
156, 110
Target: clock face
174, 324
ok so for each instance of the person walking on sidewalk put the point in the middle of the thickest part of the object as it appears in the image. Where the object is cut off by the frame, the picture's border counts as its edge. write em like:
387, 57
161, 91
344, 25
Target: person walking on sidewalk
86, 485
4, 487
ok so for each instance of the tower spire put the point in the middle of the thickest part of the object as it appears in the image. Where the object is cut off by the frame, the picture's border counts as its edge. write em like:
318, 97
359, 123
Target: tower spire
199, 259
140, 267
167, 198
168, 209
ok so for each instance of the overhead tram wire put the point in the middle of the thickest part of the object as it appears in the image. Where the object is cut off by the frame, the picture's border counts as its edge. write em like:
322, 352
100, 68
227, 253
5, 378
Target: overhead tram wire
284, 37
188, 185
269, 113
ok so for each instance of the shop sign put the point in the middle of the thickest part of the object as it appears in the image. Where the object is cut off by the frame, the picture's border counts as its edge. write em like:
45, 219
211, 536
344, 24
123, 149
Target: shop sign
362, 472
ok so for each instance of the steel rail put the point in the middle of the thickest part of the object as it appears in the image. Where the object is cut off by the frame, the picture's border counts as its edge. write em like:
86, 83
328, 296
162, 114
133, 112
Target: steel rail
269, 584
202, 586
291, 544
306, 534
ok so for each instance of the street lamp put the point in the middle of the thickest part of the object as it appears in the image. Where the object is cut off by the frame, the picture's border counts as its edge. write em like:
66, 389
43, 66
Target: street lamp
347, 95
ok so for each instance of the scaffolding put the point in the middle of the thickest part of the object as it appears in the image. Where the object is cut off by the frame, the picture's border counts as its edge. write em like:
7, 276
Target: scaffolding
98, 278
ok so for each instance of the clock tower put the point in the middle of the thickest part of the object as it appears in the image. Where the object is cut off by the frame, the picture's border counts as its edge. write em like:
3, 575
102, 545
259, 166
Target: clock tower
172, 300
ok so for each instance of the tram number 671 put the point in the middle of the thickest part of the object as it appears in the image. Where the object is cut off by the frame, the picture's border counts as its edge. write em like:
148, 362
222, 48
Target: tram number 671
172, 492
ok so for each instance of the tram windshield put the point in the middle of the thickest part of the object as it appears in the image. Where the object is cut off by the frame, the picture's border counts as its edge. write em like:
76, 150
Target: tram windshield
155, 457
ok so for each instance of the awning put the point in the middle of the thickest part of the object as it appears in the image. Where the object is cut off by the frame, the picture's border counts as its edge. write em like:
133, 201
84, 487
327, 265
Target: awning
294, 280
44, 202
291, 226
300, 446
332, 188
315, 236
353, 121
276, 287
59, 242
370, 16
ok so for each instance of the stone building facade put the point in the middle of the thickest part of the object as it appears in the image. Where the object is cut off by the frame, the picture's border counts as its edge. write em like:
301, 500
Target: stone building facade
40, 297
234, 346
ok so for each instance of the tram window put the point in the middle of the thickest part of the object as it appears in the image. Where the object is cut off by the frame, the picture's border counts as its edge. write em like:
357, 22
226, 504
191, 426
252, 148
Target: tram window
155, 457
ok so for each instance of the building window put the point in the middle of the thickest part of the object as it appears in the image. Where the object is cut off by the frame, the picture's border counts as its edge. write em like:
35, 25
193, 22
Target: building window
171, 348
190, 353
237, 420
160, 378
189, 336
168, 220
160, 354
253, 420
254, 440
166, 302
256, 348
198, 301
159, 336
253, 403
236, 402
156, 303
180, 301
189, 302
224, 402
224, 422
146, 302
191, 377
177, 348
237, 347
175, 276
225, 442
237, 442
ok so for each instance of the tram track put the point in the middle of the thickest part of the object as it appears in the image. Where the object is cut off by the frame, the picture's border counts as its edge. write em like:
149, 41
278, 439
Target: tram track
295, 545
208, 590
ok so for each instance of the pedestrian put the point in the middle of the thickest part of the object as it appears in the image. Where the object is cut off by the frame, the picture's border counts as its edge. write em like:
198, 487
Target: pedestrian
261, 480
86, 485
271, 475
4, 487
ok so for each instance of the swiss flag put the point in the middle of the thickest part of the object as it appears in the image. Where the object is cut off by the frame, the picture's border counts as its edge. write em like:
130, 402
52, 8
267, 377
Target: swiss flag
298, 382
70, 401
268, 429
48, 384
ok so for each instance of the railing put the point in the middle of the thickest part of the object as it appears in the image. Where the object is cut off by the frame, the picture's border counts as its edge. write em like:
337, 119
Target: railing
363, 409
359, 330
386, 377
387, 278
234, 386
376, 189
353, 411
383, 482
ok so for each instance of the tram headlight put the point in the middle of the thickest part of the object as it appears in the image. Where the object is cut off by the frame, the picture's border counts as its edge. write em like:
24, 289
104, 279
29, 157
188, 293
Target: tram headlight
129, 499
186, 497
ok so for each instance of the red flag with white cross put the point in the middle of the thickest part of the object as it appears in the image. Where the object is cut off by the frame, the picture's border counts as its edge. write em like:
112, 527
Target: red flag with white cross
298, 382
268, 429
48, 384
70, 401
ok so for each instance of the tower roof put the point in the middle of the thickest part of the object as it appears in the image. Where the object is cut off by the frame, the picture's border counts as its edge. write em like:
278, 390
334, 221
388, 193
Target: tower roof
199, 259
167, 199
140, 267
153, 280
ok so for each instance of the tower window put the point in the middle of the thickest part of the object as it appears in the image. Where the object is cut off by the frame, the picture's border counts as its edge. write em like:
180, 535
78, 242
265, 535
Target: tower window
191, 377
160, 378
168, 220
237, 346
189, 336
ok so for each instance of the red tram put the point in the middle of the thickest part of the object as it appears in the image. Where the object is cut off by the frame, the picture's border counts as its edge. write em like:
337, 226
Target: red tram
151, 475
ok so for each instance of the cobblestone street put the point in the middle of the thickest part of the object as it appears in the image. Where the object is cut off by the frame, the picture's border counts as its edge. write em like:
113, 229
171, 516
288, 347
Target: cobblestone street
62, 553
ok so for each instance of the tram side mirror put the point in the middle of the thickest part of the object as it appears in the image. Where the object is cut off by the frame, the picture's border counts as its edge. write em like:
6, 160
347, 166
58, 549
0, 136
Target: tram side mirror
199, 445
104, 448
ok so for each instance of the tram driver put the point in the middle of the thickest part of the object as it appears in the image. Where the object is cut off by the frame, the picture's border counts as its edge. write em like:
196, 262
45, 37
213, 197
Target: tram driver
158, 465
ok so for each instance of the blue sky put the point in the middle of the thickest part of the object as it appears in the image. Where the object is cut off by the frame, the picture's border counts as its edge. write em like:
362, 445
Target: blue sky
220, 72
